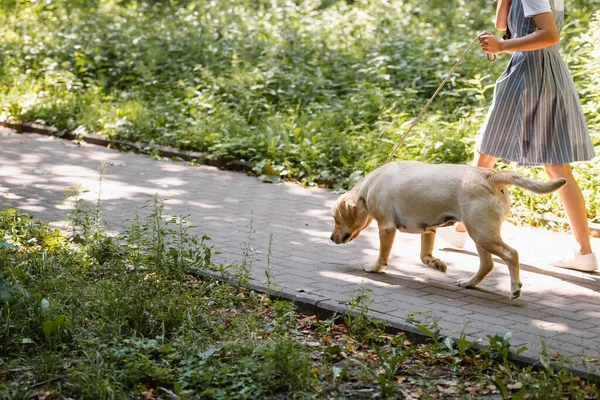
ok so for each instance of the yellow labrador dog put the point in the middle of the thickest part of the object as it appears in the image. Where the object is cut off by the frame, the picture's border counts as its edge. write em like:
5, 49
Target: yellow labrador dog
414, 197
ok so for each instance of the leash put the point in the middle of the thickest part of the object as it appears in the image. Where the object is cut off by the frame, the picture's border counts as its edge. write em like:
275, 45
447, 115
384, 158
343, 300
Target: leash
490, 57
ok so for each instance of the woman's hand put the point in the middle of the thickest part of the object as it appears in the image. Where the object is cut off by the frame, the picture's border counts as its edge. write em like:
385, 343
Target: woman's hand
490, 43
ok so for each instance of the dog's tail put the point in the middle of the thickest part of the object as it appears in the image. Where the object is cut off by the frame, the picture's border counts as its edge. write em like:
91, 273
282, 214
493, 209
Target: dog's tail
512, 178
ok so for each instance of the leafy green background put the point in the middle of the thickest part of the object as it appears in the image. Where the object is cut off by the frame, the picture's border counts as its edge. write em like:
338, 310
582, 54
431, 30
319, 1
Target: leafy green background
315, 90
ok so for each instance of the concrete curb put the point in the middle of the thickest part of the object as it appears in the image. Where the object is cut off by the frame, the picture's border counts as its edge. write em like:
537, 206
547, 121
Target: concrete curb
325, 308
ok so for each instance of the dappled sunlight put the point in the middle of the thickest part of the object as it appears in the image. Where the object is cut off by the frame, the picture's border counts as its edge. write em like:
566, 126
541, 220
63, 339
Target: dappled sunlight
99, 157
172, 167
166, 182
389, 279
70, 170
203, 205
13, 175
298, 190
30, 208
393, 272
548, 326
317, 235
360, 280
324, 215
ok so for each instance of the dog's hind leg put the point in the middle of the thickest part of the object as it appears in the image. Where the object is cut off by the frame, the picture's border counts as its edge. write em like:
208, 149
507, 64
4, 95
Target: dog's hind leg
511, 257
496, 246
486, 264
427, 240
487, 236
386, 241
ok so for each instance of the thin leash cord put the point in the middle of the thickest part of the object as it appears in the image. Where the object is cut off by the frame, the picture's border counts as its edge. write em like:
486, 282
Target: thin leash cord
490, 57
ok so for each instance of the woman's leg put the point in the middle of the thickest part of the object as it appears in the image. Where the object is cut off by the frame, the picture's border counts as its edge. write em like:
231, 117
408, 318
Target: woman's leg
573, 203
480, 160
483, 160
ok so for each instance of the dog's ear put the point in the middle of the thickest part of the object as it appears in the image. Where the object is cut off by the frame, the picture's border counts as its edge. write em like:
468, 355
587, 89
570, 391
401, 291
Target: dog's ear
349, 206
361, 207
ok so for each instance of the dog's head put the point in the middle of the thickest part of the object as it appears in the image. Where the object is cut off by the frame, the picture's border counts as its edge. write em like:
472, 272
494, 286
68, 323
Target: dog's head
351, 217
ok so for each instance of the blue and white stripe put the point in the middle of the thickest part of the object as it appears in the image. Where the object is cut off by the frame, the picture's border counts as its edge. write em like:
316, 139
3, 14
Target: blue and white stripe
536, 117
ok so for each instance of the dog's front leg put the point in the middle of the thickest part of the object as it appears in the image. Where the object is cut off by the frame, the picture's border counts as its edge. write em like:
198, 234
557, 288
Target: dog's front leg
386, 241
427, 240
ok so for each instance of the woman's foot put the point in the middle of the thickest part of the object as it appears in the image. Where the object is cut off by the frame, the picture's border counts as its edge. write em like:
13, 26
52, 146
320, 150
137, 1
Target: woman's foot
579, 262
452, 236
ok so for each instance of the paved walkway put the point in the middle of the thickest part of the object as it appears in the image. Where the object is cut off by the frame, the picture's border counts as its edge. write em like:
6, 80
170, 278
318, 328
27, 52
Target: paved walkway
559, 309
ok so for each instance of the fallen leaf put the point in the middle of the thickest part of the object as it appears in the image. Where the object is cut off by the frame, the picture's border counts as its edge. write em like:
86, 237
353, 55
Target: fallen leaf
45, 395
148, 395
514, 386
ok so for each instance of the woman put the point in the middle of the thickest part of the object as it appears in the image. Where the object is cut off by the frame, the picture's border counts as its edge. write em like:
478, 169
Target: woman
536, 118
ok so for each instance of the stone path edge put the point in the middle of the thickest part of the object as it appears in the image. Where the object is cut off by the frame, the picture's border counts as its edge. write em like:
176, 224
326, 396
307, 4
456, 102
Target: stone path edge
138, 147
324, 308
321, 307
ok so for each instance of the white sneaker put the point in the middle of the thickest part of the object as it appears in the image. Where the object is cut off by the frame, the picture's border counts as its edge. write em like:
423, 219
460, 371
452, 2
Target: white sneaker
578, 261
450, 235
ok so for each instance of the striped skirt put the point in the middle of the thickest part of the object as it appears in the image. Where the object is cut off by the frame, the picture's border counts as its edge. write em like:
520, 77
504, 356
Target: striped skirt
536, 117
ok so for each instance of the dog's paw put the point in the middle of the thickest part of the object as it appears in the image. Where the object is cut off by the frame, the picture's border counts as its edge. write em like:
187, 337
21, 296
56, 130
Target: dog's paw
515, 293
465, 282
377, 267
434, 263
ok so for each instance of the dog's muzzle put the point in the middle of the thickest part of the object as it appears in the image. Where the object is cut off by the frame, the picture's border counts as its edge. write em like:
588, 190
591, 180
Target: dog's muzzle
345, 239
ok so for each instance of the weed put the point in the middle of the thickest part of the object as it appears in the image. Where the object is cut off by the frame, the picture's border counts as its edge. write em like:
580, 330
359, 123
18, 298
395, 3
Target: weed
461, 348
241, 274
79, 217
430, 327
391, 361
269, 279
357, 318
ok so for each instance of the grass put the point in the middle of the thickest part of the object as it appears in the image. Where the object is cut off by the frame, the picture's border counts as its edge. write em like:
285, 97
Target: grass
88, 315
315, 90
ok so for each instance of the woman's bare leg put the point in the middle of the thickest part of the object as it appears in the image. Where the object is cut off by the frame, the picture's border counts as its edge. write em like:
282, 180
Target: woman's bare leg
573, 203
483, 160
